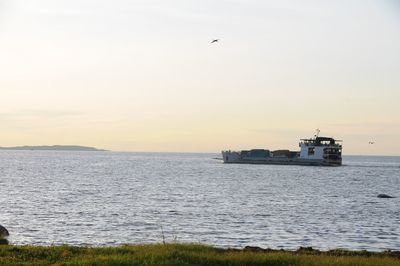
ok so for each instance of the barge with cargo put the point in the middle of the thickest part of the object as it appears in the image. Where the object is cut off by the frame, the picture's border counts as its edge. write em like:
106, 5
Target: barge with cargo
318, 151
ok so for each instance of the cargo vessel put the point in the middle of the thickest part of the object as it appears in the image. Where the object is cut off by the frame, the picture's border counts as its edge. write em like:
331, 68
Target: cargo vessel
318, 151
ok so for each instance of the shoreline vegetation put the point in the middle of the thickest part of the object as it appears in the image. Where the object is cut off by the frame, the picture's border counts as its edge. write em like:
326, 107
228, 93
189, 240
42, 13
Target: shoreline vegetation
188, 254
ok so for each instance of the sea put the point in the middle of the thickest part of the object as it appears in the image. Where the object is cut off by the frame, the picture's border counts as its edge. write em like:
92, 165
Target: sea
114, 198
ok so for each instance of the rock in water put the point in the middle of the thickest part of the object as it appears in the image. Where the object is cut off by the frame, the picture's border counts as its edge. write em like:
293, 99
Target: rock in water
254, 249
3, 232
384, 196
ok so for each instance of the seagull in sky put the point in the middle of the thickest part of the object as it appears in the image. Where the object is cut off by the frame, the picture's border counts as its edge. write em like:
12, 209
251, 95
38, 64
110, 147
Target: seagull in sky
371, 142
215, 40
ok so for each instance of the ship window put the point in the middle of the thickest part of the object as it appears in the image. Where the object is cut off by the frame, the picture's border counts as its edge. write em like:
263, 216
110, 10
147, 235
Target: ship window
311, 151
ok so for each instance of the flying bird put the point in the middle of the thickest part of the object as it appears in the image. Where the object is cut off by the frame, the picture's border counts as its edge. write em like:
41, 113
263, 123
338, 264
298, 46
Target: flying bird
371, 142
215, 40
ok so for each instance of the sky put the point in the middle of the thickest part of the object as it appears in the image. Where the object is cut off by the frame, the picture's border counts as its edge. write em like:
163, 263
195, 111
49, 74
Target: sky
142, 75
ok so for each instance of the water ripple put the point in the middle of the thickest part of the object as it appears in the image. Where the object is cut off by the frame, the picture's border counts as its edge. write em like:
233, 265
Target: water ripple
106, 198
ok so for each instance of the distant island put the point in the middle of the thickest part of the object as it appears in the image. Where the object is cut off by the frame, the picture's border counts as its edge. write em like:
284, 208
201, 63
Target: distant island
52, 148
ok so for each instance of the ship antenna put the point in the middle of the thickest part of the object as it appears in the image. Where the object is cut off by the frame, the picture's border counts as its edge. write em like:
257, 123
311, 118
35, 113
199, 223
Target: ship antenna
317, 130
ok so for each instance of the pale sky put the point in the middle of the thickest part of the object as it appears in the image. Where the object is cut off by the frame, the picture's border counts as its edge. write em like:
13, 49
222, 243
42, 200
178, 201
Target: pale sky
141, 75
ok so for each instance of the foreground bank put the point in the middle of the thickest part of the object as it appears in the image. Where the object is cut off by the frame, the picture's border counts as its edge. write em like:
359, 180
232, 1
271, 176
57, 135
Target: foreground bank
186, 254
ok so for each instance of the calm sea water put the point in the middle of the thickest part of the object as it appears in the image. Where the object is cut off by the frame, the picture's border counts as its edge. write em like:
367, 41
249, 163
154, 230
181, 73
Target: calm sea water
109, 198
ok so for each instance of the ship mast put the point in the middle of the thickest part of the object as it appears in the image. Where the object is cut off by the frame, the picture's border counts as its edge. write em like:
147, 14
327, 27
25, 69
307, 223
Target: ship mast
317, 134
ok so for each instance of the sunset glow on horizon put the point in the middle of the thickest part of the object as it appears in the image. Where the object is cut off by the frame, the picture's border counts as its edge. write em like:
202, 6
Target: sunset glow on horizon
144, 76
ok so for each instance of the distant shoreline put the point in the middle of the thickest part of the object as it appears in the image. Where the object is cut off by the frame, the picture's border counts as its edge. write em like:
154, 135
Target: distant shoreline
51, 148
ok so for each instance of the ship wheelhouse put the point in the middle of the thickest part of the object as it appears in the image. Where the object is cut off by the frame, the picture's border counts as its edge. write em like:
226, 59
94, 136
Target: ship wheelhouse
322, 148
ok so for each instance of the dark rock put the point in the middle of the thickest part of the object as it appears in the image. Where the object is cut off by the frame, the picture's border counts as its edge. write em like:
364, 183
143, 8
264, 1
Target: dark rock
384, 196
3, 232
305, 249
254, 249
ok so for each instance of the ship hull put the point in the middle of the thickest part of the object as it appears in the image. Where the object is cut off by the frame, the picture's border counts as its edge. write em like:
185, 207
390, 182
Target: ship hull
236, 158
288, 162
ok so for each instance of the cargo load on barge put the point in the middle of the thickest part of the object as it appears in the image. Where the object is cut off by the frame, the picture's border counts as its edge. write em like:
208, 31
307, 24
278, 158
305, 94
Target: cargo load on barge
319, 151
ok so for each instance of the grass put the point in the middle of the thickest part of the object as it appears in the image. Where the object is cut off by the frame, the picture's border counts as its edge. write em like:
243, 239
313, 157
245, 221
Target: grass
186, 254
